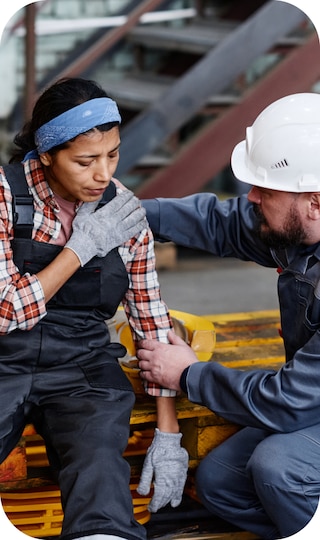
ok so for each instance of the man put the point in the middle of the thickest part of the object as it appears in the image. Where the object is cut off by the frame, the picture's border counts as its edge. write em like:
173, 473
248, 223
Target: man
266, 477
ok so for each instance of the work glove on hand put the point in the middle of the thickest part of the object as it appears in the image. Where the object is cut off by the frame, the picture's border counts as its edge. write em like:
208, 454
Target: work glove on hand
167, 462
97, 233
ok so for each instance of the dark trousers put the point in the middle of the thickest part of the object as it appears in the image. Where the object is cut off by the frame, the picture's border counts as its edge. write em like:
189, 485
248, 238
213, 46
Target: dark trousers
265, 483
82, 409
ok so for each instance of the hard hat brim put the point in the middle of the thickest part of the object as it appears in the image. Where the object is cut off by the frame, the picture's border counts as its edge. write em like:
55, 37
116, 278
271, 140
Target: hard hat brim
244, 174
239, 167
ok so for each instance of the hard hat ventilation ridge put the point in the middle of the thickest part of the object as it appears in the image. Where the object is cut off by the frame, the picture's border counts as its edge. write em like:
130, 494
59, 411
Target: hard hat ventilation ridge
280, 164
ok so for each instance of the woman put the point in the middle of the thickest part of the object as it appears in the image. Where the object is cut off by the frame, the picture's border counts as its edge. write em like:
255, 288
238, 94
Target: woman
87, 249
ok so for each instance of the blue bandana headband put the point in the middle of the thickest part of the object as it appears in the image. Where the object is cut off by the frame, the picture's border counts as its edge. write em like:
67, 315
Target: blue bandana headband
73, 122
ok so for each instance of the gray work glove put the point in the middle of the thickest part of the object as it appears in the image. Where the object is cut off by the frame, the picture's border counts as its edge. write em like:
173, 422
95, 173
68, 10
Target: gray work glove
167, 462
97, 233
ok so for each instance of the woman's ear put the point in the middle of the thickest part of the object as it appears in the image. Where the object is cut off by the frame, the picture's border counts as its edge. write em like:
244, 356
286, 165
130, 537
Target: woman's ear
45, 159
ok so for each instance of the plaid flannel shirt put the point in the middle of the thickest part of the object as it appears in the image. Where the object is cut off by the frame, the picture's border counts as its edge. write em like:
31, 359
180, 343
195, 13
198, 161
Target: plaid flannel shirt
22, 303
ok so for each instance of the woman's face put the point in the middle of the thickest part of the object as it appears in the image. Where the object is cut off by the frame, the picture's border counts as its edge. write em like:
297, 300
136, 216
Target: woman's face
83, 170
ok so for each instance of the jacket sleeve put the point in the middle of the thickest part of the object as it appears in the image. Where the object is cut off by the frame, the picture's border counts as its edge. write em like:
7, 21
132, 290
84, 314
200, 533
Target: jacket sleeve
201, 221
281, 401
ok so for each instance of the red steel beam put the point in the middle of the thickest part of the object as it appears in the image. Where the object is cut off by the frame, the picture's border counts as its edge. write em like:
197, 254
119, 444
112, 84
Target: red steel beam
209, 152
30, 55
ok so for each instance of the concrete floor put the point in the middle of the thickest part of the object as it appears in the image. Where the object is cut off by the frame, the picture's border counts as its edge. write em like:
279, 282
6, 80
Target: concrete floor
209, 285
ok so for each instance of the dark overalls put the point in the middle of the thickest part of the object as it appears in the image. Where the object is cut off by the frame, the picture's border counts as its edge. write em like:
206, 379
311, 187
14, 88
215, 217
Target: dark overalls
64, 376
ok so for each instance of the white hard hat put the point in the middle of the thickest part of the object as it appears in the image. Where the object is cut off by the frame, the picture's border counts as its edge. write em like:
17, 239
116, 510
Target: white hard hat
282, 147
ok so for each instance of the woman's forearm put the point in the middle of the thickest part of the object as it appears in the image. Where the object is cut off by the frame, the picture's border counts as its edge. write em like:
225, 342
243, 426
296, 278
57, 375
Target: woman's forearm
166, 415
55, 275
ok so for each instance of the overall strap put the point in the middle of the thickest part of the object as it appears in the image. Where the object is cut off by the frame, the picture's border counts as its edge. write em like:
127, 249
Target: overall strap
22, 204
108, 195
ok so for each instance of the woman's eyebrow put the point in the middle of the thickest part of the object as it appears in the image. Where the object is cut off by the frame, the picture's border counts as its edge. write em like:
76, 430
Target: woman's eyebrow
84, 155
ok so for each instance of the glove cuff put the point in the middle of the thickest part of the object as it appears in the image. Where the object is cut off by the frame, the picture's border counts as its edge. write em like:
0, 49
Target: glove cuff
168, 438
83, 253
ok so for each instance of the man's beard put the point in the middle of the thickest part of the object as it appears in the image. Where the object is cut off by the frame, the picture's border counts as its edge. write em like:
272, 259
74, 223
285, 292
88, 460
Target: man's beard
292, 234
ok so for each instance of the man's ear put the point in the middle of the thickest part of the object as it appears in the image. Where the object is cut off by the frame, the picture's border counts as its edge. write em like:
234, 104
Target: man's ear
45, 159
314, 206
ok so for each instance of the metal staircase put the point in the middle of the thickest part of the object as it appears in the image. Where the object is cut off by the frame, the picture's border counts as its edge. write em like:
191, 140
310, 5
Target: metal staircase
187, 88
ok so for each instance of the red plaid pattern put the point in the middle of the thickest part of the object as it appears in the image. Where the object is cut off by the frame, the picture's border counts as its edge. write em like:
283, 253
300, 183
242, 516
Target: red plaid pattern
21, 297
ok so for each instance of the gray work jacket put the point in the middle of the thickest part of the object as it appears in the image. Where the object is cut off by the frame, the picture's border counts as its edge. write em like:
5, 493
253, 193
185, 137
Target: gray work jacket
281, 401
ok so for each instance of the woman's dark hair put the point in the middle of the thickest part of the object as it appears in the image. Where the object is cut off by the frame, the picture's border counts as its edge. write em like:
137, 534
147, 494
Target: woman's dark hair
60, 97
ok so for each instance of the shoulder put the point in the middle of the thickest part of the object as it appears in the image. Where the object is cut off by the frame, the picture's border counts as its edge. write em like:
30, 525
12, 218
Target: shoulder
119, 186
5, 189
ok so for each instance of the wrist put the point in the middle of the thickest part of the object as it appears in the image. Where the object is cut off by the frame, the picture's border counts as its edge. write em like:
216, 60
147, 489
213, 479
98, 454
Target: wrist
183, 380
167, 436
85, 251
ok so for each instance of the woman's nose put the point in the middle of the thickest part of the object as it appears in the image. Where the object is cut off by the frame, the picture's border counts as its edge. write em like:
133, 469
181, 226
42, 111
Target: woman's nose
101, 172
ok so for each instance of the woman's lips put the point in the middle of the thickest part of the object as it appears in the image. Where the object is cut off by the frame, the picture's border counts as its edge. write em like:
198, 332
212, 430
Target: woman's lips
96, 192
